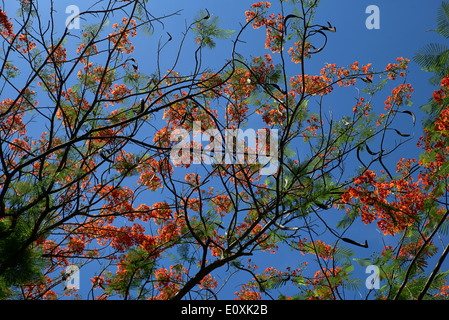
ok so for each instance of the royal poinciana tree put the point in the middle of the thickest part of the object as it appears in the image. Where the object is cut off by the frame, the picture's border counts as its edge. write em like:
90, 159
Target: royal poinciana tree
107, 166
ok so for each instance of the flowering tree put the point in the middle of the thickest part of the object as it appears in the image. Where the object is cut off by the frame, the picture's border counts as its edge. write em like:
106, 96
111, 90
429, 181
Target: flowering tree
106, 166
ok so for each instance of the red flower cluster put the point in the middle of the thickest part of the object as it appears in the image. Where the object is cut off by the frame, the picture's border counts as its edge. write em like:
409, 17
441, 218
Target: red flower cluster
434, 141
121, 38
324, 282
394, 68
299, 51
394, 203
274, 25
313, 85
318, 248
398, 95
440, 94
168, 282
5, 23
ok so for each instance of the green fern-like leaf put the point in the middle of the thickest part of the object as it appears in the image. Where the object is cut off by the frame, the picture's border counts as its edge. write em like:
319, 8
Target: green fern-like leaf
430, 57
443, 19
343, 253
206, 29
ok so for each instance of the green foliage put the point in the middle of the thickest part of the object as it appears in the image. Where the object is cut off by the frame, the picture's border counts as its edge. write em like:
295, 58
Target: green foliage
443, 20
343, 254
207, 30
138, 266
434, 57
22, 262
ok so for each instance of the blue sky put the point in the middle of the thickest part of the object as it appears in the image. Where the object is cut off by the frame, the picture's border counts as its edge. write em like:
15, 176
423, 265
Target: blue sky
404, 26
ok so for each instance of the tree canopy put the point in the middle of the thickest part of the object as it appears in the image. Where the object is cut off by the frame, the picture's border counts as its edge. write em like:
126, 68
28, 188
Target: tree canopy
180, 181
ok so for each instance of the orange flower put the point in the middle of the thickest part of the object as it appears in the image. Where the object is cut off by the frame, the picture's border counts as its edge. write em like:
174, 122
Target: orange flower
5, 22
